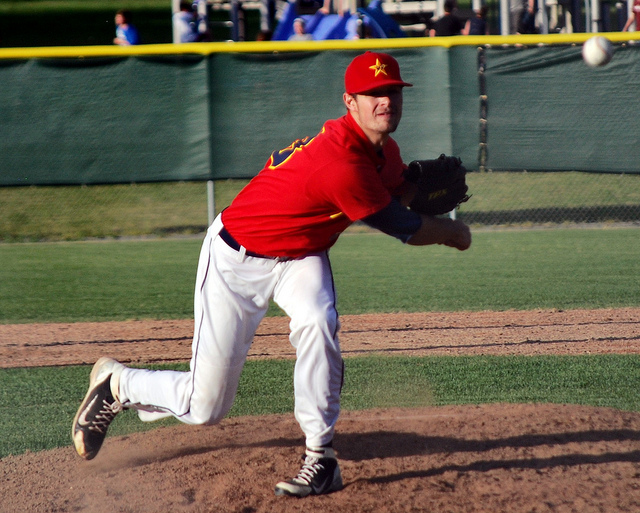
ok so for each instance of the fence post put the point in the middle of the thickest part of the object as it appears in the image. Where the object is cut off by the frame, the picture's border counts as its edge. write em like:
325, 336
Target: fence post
211, 202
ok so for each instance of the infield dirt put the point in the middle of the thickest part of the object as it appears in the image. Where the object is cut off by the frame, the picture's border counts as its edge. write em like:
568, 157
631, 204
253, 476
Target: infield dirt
487, 458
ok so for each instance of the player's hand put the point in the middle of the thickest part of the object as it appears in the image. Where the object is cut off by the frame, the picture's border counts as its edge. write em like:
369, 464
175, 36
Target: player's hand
461, 236
439, 230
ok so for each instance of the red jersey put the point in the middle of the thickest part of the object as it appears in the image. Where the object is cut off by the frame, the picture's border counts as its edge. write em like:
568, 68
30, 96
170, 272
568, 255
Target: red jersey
636, 11
310, 192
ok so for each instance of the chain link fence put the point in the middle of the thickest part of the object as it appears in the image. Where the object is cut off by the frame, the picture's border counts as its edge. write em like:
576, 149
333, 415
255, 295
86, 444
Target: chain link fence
551, 198
181, 208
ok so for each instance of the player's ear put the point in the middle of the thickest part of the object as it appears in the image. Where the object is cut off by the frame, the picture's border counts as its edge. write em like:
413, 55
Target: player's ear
349, 101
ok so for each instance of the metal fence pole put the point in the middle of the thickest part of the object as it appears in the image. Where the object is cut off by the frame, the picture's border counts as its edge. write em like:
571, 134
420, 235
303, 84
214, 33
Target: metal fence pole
211, 202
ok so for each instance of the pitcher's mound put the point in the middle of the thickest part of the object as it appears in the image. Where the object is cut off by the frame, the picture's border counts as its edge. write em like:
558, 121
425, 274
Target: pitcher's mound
490, 458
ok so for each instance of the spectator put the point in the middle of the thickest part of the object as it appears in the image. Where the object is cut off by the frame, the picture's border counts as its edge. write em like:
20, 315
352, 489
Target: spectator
522, 16
516, 10
635, 17
300, 31
528, 20
126, 33
477, 25
185, 24
448, 24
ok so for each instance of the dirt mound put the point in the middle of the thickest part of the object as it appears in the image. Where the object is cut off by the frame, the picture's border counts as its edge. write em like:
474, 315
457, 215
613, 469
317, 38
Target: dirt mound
489, 458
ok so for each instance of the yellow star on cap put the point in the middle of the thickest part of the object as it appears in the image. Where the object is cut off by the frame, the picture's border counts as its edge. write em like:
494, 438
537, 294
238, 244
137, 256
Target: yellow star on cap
378, 67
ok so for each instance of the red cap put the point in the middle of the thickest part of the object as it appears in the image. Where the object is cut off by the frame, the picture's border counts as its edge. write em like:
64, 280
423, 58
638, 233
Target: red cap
370, 71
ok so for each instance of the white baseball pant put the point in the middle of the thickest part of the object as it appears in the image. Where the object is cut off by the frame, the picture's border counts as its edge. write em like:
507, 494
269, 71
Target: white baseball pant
231, 297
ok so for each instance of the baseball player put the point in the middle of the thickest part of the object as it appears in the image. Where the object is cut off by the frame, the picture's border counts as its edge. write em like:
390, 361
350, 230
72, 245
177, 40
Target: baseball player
273, 242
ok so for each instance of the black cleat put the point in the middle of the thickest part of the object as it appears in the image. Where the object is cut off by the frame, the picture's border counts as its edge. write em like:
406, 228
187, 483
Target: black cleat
320, 474
98, 408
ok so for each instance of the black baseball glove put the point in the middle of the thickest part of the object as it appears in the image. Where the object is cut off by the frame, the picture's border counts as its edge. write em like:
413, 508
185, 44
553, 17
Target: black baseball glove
441, 185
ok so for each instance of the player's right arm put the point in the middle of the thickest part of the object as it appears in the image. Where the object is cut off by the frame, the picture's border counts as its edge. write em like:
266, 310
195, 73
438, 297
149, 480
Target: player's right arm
442, 230
419, 230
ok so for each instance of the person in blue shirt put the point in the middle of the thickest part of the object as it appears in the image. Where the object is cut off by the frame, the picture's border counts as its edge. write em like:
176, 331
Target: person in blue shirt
185, 24
126, 33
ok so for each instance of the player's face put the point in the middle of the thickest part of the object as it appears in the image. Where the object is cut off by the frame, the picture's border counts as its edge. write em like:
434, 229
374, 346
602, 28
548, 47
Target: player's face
378, 112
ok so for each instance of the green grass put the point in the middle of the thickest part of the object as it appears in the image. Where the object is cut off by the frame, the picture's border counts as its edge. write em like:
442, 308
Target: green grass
72, 213
521, 269
79, 212
513, 191
108, 211
572, 268
77, 282
37, 405
605, 380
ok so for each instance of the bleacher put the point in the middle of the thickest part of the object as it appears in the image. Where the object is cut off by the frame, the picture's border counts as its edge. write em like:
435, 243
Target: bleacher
380, 19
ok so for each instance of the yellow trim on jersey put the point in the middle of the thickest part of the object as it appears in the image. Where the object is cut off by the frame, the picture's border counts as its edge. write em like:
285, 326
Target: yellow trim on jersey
294, 147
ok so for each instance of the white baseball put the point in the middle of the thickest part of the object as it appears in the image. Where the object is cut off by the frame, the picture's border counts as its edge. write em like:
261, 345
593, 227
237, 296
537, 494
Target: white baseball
597, 51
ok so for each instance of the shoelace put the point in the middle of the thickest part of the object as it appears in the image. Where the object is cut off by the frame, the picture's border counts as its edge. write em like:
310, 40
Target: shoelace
105, 416
309, 470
